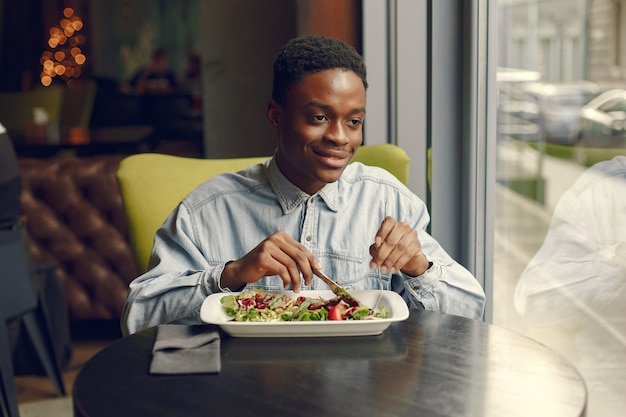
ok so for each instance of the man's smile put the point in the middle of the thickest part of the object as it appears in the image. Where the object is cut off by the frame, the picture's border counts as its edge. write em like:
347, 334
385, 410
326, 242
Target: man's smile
333, 157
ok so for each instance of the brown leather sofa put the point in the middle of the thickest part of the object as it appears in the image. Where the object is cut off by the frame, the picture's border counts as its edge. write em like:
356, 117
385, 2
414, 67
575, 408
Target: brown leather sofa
73, 211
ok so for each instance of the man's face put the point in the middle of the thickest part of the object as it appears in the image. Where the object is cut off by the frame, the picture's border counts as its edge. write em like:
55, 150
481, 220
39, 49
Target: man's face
319, 127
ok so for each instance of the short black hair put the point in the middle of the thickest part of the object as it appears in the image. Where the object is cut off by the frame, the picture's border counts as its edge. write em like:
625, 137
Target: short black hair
309, 54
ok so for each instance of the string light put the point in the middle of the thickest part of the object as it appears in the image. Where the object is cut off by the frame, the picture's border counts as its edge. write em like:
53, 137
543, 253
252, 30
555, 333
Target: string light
66, 58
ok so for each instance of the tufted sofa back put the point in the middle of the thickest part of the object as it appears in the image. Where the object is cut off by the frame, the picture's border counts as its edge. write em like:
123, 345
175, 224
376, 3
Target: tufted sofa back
73, 211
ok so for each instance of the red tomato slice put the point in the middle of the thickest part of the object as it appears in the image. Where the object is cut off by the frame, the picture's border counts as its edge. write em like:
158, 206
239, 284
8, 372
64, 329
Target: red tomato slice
335, 313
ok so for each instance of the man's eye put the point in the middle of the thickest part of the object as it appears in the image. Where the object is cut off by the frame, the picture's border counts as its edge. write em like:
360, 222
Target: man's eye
355, 122
318, 118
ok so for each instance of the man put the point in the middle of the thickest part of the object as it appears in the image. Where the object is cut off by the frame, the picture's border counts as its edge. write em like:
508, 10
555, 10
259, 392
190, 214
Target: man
573, 292
270, 225
581, 265
156, 77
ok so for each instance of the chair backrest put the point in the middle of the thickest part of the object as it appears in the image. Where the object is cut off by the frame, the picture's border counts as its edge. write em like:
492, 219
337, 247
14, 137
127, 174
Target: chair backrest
78, 100
153, 184
16, 108
17, 294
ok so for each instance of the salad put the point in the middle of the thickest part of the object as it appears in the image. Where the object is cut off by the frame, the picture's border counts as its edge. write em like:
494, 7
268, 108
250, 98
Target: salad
259, 305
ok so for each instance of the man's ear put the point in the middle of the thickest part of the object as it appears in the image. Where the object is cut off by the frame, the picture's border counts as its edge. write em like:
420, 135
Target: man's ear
274, 112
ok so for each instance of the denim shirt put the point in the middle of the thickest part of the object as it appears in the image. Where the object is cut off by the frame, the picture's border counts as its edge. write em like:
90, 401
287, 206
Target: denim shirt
227, 216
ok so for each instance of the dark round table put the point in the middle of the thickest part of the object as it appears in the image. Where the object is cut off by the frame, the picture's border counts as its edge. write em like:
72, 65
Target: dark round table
432, 364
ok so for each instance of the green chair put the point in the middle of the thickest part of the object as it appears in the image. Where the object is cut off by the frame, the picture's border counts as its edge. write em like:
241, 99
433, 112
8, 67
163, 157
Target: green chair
16, 108
153, 184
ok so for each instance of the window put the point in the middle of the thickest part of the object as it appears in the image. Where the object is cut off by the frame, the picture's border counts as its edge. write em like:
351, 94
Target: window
560, 224
505, 191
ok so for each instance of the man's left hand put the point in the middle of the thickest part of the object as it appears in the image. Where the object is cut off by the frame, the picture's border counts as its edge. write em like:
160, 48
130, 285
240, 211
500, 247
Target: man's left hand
397, 248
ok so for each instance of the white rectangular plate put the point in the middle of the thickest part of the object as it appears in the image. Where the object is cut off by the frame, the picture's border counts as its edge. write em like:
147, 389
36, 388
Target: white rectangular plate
213, 313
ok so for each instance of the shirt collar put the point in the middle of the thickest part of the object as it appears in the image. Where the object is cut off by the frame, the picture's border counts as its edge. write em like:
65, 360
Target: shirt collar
289, 196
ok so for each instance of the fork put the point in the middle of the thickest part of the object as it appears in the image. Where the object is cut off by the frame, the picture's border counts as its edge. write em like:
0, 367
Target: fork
380, 294
380, 279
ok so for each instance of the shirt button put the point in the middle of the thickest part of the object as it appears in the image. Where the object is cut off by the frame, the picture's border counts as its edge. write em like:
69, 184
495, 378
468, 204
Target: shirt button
308, 238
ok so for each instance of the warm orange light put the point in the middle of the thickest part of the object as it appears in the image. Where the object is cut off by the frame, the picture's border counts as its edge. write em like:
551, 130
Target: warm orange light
78, 135
66, 58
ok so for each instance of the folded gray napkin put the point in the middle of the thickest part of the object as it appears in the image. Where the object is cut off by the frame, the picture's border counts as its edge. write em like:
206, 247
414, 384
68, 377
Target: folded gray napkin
186, 349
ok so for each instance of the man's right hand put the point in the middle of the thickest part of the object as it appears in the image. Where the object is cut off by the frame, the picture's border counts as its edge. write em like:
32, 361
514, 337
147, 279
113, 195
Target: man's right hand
279, 254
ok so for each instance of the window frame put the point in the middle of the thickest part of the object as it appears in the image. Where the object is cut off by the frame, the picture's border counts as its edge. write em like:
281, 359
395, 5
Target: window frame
439, 66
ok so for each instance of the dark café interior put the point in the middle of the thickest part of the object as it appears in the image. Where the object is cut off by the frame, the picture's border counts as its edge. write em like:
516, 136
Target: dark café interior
72, 111
86, 84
